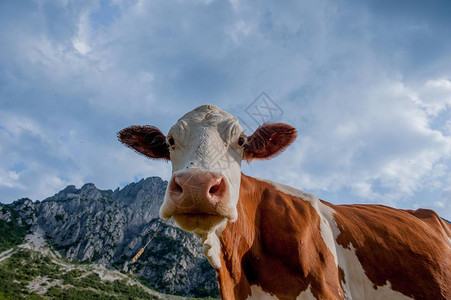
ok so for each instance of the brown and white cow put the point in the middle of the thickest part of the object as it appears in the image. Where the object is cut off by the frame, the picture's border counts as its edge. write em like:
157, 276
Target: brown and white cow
270, 241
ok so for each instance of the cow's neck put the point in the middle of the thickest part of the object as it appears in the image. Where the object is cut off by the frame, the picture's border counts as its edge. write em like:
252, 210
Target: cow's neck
260, 244
237, 240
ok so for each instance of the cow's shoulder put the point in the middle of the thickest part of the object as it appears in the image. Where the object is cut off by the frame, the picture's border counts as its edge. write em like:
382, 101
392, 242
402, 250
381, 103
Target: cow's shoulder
291, 255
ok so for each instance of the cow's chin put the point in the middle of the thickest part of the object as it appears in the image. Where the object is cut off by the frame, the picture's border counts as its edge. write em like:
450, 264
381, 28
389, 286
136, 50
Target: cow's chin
198, 222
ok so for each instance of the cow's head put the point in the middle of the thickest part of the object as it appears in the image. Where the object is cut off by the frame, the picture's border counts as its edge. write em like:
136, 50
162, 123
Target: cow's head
206, 147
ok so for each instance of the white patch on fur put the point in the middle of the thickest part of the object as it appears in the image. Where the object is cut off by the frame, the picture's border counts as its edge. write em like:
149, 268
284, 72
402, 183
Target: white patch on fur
357, 285
258, 294
212, 245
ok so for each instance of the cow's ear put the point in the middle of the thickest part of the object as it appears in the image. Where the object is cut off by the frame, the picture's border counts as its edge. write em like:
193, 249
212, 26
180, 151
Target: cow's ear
147, 140
269, 140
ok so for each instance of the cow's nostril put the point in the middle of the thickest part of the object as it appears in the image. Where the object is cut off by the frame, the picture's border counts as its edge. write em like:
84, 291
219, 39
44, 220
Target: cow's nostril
178, 187
216, 188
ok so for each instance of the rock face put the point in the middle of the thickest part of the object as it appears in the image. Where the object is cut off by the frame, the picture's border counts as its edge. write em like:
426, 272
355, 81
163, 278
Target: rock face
109, 227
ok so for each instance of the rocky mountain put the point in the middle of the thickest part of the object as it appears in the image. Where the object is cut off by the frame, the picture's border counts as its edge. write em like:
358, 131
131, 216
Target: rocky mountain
109, 227
32, 270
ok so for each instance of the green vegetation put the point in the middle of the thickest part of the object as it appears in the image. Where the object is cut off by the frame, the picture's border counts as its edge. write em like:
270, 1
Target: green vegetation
54, 281
11, 233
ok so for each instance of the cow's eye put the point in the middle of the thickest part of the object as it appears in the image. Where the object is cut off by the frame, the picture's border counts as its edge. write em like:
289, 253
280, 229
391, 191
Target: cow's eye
171, 141
241, 141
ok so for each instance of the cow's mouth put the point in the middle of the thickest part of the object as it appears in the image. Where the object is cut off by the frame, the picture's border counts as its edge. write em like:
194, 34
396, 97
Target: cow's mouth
199, 222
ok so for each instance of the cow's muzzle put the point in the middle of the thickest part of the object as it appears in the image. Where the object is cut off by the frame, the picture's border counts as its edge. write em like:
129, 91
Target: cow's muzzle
197, 199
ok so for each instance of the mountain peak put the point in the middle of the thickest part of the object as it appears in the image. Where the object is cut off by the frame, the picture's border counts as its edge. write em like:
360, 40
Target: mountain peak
88, 186
106, 227
90, 191
70, 189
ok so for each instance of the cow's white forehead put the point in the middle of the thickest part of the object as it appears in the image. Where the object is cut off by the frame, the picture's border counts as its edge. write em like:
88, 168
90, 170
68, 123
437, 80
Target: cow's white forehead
209, 113
208, 116
205, 140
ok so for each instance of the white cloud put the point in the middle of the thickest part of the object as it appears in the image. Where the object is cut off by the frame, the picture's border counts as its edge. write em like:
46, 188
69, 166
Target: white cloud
10, 180
371, 125
382, 148
435, 96
80, 40
240, 30
364, 190
81, 46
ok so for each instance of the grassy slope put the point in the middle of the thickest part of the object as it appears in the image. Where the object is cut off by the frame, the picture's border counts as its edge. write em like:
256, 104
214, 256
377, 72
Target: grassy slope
27, 274
36, 274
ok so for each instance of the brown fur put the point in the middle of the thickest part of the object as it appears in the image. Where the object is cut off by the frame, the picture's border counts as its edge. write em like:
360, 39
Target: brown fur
276, 244
409, 249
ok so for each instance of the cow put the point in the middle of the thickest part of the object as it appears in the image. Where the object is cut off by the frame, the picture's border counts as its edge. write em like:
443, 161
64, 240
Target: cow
267, 240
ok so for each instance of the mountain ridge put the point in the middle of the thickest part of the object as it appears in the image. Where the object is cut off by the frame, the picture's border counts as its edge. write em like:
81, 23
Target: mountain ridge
108, 227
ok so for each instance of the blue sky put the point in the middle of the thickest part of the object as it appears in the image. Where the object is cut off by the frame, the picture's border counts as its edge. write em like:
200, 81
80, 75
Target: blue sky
366, 83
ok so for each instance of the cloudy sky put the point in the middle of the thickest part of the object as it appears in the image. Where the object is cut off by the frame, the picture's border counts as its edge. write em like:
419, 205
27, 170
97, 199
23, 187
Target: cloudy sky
366, 83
